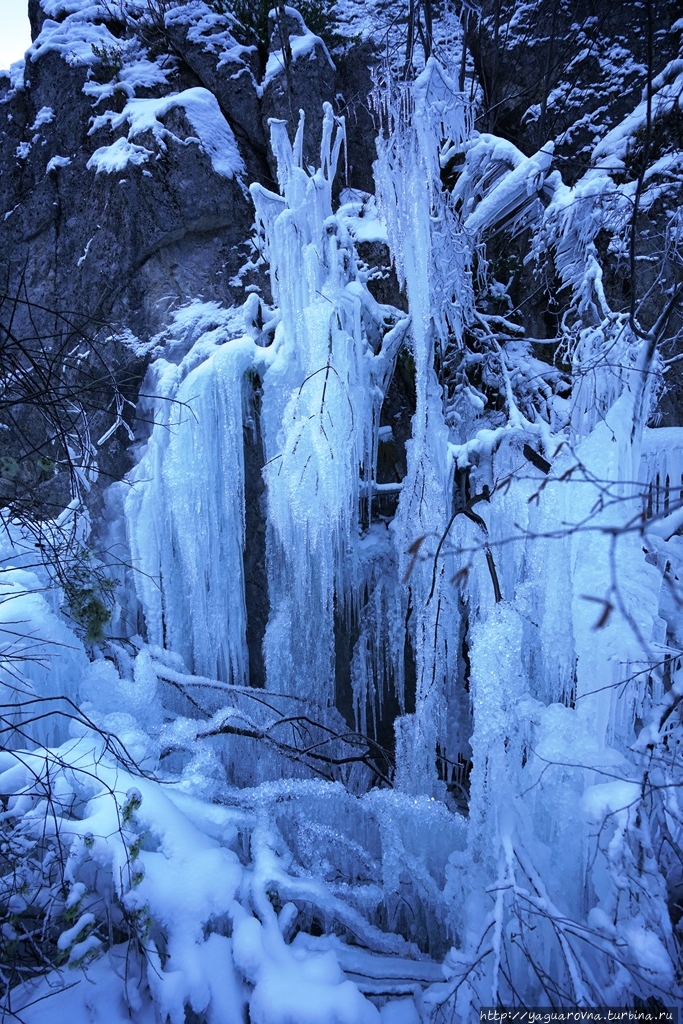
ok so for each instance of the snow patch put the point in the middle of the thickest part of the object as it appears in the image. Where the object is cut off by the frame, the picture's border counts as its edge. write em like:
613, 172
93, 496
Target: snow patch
214, 135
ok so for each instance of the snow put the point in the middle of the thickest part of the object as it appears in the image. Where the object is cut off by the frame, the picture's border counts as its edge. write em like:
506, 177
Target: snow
293, 985
210, 29
77, 32
666, 87
358, 213
306, 46
668, 525
45, 115
56, 162
101, 995
114, 158
213, 133
16, 75
648, 949
609, 798
73, 38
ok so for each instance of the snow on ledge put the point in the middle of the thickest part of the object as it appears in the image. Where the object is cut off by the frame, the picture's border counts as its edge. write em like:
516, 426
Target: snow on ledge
56, 162
214, 135
301, 46
116, 157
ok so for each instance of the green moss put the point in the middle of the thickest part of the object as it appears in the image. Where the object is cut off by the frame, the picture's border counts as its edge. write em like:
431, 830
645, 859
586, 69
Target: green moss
89, 593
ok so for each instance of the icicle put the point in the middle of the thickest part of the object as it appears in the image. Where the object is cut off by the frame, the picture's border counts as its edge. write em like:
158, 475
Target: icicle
432, 259
41, 662
378, 663
317, 417
186, 515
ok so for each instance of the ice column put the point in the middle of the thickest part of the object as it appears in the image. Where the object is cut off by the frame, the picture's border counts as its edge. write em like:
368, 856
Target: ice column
432, 261
317, 417
185, 514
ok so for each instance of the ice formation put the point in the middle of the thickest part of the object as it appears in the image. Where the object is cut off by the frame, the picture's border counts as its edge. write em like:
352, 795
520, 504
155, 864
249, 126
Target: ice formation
540, 715
318, 435
177, 513
512, 610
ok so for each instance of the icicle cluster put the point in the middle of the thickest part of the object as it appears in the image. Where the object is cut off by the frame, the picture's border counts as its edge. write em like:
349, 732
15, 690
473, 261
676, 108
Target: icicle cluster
319, 416
187, 503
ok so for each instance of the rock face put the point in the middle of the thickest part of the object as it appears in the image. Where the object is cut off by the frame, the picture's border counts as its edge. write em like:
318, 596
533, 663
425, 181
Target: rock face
112, 240
231, 77
564, 72
116, 203
299, 76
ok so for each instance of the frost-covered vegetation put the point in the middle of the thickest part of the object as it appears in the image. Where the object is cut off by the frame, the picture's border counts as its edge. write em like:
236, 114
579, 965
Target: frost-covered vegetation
460, 782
